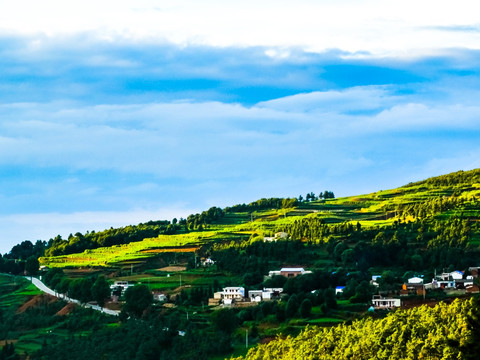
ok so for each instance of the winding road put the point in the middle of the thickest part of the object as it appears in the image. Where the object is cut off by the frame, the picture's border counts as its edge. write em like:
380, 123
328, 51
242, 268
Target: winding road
41, 286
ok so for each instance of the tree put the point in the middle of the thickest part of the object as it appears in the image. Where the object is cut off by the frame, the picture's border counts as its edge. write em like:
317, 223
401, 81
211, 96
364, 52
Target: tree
348, 257
80, 289
292, 306
100, 290
306, 308
32, 265
225, 320
330, 299
137, 299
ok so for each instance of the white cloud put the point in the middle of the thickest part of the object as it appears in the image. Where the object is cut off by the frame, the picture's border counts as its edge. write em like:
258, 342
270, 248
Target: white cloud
352, 99
377, 26
190, 139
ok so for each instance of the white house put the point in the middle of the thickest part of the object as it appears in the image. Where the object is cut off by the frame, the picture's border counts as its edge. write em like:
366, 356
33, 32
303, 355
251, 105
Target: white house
255, 295
264, 295
233, 292
123, 285
207, 262
385, 303
157, 296
415, 280
274, 273
456, 275
271, 293
289, 272
374, 280
339, 290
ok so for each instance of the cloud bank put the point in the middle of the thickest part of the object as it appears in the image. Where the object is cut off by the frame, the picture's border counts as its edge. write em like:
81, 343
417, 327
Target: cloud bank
133, 126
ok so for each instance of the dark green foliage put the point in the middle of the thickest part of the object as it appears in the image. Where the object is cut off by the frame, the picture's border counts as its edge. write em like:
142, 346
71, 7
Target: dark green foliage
8, 352
330, 298
251, 279
292, 306
199, 221
32, 265
81, 289
225, 320
276, 281
264, 204
149, 338
100, 290
137, 299
254, 256
306, 308
363, 293
26, 249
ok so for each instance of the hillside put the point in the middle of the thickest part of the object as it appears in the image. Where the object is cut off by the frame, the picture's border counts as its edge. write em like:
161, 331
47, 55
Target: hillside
452, 199
423, 229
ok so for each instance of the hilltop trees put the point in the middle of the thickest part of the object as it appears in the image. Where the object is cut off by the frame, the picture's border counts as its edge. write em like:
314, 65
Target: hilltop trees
92, 240
32, 265
264, 204
26, 249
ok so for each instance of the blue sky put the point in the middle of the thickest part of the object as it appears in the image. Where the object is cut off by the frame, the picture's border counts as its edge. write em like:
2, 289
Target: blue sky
115, 114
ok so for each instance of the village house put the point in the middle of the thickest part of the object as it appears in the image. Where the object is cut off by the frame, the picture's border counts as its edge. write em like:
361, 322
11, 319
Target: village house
159, 296
120, 285
454, 275
375, 279
266, 294
451, 280
339, 290
380, 302
415, 280
277, 236
292, 272
207, 262
234, 292
228, 296
289, 272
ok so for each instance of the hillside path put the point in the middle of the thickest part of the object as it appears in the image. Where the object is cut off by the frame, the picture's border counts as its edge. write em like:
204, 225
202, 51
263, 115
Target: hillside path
41, 286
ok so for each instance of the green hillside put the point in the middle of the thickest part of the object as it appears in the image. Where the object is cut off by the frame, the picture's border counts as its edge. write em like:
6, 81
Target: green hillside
423, 228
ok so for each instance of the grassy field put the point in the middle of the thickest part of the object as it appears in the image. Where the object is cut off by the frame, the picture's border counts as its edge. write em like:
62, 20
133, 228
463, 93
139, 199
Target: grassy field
136, 251
15, 290
371, 210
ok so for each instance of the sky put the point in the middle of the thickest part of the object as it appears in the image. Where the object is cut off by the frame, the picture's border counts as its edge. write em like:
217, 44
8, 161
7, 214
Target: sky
118, 112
